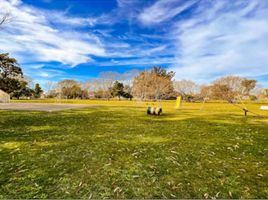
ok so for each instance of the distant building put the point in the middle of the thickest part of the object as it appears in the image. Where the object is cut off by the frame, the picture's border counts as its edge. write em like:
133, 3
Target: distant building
4, 97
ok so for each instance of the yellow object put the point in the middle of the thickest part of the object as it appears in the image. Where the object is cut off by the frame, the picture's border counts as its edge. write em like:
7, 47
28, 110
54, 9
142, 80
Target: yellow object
178, 102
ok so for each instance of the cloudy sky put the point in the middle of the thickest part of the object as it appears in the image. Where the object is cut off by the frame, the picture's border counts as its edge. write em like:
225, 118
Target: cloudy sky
198, 39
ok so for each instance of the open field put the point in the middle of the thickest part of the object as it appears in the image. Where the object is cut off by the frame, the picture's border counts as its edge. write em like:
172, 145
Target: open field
116, 151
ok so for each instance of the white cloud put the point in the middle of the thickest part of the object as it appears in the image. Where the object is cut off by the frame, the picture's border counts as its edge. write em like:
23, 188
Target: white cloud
212, 38
224, 39
139, 51
163, 10
62, 19
139, 62
44, 73
30, 33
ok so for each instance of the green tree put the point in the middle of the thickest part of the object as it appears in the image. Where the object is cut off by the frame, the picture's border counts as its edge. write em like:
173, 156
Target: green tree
128, 92
10, 74
23, 92
9, 67
12, 80
9, 85
159, 71
37, 90
117, 89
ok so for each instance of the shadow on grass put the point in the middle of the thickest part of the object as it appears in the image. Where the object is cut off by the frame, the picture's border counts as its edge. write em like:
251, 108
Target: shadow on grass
123, 153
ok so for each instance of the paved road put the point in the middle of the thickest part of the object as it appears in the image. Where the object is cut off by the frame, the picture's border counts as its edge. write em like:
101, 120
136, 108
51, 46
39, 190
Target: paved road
41, 106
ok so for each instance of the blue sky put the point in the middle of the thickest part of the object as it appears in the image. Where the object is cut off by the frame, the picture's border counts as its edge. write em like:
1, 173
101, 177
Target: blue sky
198, 39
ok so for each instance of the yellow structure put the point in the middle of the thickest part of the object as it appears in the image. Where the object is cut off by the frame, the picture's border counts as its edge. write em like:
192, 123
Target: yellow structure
4, 97
178, 102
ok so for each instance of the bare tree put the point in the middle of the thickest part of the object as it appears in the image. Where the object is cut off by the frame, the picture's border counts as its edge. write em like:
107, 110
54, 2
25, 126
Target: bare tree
223, 92
92, 87
89, 85
70, 89
238, 86
258, 90
205, 92
140, 85
160, 86
51, 89
155, 83
185, 87
50, 85
128, 76
234, 83
105, 81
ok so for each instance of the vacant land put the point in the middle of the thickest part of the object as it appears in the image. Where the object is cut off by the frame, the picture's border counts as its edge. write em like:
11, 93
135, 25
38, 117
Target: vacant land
116, 151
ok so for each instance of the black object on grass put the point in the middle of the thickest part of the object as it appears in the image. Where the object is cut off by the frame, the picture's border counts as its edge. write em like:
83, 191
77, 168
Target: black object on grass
154, 111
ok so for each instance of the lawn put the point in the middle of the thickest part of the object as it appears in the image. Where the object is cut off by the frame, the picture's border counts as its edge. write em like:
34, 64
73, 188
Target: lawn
116, 151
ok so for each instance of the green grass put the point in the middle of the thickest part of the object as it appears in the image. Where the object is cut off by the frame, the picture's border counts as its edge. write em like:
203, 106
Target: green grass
117, 151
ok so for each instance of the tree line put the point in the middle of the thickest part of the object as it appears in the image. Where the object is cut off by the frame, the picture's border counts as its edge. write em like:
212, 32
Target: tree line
13, 81
158, 84
153, 84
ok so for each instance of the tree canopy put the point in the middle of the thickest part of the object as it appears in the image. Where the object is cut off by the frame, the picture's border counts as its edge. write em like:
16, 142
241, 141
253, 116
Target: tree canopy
37, 90
9, 67
155, 83
12, 80
69, 89
11, 76
117, 89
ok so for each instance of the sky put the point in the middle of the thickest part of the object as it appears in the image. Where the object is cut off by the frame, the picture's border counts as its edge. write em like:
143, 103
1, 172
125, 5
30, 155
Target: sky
200, 40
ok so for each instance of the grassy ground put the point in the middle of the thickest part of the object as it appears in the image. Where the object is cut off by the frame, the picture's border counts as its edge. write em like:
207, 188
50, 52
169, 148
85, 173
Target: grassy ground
117, 151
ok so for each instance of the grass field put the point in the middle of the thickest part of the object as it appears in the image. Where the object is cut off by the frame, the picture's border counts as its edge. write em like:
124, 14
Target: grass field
116, 151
